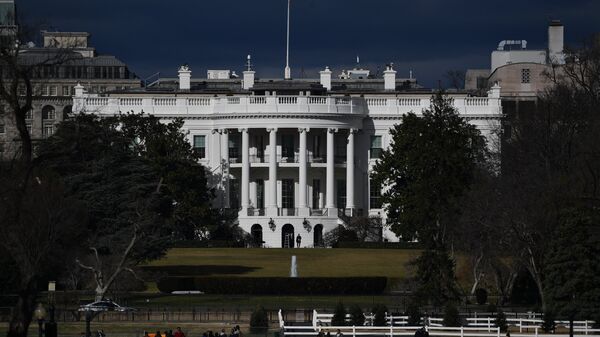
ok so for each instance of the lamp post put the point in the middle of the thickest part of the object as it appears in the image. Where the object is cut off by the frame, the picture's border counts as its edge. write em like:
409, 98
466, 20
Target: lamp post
40, 315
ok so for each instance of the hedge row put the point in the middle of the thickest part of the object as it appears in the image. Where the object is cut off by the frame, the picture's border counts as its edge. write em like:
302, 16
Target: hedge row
208, 244
275, 285
379, 245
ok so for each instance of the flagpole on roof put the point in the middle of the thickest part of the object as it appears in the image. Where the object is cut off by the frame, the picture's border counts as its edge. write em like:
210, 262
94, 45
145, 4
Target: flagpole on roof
288, 71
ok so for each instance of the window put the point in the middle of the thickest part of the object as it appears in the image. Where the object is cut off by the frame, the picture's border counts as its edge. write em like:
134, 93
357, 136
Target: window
22, 91
341, 194
29, 114
525, 76
287, 193
340, 149
45, 90
48, 112
316, 194
234, 194
53, 90
317, 146
200, 146
1, 128
376, 147
47, 131
66, 90
287, 146
29, 129
234, 147
260, 194
374, 196
260, 147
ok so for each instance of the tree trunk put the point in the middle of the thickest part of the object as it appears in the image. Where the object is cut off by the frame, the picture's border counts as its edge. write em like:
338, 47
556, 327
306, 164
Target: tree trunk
571, 327
23, 312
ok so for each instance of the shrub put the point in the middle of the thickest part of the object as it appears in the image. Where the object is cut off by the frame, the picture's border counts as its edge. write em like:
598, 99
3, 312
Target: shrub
275, 285
548, 323
379, 312
414, 314
339, 315
501, 320
259, 321
357, 318
451, 315
378, 245
481, 295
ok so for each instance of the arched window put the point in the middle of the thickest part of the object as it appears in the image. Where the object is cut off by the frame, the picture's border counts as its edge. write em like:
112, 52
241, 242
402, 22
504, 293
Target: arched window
257, 235
48, 112
287, 236
318, 236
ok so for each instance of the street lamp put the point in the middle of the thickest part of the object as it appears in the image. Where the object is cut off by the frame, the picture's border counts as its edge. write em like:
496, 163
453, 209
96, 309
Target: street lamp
40, 315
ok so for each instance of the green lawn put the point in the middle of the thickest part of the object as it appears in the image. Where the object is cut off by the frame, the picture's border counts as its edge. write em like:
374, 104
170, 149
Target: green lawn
392, 263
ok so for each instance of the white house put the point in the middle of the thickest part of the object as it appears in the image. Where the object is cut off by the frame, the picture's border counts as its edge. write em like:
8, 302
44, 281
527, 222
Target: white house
291, 155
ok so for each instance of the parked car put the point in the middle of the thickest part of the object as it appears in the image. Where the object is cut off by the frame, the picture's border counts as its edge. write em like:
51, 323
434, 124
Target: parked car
104, 305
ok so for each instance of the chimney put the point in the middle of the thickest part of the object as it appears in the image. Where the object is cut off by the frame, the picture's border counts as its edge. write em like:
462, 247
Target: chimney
556, 43
389, 78
248, 81
326, 78
185, 77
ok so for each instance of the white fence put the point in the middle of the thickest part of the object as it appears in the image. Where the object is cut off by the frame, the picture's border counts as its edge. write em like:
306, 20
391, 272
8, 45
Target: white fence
398, 326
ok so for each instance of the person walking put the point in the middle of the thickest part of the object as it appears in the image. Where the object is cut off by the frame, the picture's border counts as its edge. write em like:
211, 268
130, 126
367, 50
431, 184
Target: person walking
298, 241
179, 333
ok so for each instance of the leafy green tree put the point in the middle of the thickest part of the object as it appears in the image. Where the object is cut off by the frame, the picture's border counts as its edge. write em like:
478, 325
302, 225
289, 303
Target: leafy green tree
339, 315
379, 313
436, 277
431, 162
259, 321
141, 183
451, 315
572, 266
357, 318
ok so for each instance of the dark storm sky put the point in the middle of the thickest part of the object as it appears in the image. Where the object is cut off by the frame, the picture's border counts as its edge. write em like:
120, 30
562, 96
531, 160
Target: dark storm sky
427, 36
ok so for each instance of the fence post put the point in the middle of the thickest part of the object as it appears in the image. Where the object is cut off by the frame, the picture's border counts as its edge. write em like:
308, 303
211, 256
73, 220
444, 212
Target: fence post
520, 325
353, 331
489, 325
462, 332
391, 331
536, 331
498, 331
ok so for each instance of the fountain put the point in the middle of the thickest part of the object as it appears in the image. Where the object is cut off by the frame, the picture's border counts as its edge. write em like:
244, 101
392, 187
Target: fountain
294, 267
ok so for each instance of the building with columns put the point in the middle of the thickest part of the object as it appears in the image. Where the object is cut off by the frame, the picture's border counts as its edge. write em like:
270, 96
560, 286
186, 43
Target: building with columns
292, 156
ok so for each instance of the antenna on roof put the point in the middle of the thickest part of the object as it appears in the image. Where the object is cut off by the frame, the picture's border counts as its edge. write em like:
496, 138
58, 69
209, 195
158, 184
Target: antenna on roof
288, 71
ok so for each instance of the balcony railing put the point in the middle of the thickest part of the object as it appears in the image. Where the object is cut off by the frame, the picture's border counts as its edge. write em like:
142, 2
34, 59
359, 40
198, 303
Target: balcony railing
221, 105
256, 212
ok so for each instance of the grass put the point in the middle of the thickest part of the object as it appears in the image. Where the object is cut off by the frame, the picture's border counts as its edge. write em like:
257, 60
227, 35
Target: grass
391, 263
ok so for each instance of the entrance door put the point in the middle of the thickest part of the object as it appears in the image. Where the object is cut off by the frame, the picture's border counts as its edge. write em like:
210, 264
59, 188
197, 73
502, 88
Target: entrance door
257, 235
318, 235
287, 236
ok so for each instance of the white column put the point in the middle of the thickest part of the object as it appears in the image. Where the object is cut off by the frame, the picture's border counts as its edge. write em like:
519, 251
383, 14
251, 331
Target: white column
302, 174
330, 194
245, 171
350, 170
225, 165
272, 195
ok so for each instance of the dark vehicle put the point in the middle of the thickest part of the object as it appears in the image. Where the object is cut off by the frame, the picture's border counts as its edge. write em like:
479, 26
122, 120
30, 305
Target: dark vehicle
104, 305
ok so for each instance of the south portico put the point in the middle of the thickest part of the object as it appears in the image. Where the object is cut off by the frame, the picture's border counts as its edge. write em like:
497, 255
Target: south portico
299, 190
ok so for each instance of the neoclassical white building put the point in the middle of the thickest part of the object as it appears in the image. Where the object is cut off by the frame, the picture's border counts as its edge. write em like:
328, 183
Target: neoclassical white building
292, 156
